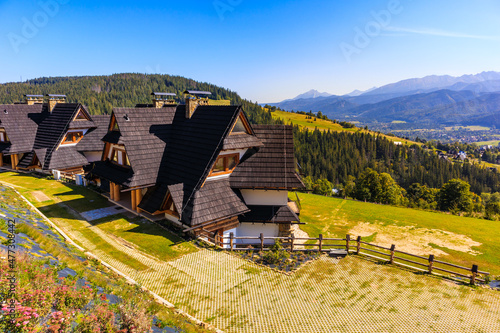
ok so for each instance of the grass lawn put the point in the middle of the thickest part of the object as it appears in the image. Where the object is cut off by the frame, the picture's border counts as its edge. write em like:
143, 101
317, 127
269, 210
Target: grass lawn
460, 240
64, 203
324, 125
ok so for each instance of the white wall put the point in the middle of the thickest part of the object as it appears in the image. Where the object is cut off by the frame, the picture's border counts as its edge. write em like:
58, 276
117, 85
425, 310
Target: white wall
253, 230
93, 156
266, 198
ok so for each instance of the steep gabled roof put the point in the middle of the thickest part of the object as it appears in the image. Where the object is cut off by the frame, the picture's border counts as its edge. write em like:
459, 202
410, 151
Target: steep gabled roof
65, 158
194, 148
214, 201
21, 122
92, 140
50, 133
273, 166
144, 132
52, 129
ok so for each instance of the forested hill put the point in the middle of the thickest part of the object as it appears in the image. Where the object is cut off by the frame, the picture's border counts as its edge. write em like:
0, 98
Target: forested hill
101, 93
337, 155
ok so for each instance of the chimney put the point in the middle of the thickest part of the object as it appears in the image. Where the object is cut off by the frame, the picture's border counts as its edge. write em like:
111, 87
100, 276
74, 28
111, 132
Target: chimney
161, 99
54, 99
33, 99
194, 99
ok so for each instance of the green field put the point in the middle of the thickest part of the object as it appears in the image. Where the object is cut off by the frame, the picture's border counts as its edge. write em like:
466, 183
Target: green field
460, 240
62, 203
325, 125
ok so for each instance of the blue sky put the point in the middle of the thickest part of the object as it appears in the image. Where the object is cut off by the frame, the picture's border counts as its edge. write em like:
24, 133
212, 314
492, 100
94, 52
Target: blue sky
267, 51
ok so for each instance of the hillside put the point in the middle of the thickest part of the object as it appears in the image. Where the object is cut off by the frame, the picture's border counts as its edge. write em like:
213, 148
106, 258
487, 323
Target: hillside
327, 125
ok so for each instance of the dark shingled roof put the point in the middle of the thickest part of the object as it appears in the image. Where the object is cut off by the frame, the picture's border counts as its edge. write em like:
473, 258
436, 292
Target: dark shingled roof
26, 160
21, 123
176, 154
239, 141
194, 148
145, 135
92, 141
112, 172
113, 137
190, 153
275, 214
215, 200
33, 129
273, 166
65, 158
51, 132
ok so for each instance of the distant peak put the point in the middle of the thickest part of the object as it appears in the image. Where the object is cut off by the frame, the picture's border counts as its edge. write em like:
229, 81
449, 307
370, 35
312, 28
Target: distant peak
313, 93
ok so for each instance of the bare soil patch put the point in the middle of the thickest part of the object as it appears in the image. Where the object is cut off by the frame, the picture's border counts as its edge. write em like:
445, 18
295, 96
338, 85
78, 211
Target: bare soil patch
416, 240
40, 196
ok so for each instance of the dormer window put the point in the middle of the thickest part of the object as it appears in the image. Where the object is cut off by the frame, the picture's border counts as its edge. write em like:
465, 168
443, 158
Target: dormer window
114, 125
225, 164
169, 206
72, 138
81, 116
241, 126
119, 156
3, 136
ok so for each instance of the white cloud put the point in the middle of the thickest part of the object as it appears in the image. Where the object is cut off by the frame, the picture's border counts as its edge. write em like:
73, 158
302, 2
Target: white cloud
399, 31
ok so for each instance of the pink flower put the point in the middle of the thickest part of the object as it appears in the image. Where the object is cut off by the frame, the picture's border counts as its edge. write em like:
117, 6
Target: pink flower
25, 322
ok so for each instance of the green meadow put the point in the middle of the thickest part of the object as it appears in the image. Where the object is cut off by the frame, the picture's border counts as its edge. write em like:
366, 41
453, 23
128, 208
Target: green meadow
456, 239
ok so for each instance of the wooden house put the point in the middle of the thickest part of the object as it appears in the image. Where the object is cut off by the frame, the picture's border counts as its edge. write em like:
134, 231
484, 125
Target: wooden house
50, 135
202, 166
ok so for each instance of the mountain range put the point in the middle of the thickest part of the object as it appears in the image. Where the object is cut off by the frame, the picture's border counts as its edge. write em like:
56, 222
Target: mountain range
428, 101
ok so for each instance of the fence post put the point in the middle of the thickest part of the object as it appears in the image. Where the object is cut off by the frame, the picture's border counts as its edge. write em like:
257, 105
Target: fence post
262, 242
231, 236
358, 246
474, 274
320, 242
291, 242
431, 262
347, 239
393, 247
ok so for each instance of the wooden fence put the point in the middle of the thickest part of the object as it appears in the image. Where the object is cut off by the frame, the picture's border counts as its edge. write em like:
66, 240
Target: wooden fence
357, 246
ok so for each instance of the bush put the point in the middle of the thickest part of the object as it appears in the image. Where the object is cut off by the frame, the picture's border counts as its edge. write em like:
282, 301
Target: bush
276, 255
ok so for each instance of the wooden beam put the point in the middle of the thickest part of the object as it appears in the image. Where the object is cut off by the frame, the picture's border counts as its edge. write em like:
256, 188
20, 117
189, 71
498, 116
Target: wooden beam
14, 161
111, 191
1, 159
133, 198
117, 192
138, 199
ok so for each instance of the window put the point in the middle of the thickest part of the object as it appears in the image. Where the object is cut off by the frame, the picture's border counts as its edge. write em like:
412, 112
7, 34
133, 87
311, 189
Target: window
119, 156
239, 127
72, 137
225, 164
81, 116
3, 136
114, 125
169, 206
